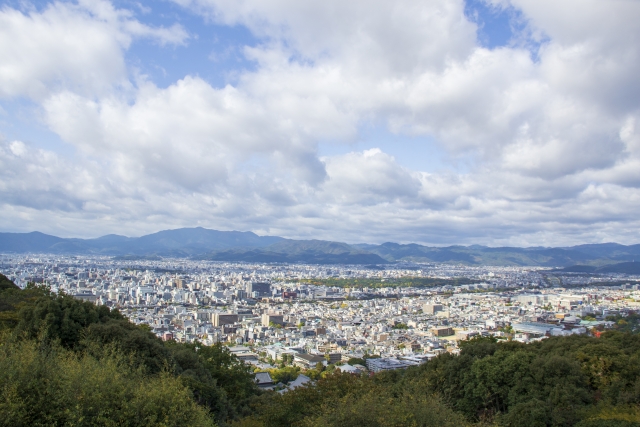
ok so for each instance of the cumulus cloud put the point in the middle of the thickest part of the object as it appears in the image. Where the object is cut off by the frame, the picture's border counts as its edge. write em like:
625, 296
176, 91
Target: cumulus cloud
78, 46
552, 124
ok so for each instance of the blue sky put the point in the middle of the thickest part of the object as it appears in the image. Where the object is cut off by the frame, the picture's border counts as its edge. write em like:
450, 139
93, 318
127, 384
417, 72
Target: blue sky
439, 122
214, 52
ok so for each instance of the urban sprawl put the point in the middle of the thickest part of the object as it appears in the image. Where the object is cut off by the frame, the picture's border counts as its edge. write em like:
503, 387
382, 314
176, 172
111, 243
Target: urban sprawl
307, 315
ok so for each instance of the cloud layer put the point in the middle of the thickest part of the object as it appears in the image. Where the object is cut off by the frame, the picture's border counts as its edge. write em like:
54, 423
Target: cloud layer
548, 126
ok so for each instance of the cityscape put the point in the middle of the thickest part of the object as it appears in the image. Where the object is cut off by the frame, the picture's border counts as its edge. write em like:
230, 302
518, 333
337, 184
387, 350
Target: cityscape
270, 313
285, 213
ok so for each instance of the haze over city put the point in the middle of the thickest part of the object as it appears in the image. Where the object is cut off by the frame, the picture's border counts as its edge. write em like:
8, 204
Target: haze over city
494, 122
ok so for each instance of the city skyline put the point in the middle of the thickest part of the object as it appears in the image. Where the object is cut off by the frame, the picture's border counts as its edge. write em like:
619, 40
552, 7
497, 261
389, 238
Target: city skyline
492, 122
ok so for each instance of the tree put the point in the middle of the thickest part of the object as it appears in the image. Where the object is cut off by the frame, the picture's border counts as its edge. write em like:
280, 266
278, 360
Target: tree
49, 385
215, 378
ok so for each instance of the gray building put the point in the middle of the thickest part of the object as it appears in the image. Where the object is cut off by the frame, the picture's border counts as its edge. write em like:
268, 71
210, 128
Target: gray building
431, 308
268, 319
220, 319
259, 289
307, 361
386, 364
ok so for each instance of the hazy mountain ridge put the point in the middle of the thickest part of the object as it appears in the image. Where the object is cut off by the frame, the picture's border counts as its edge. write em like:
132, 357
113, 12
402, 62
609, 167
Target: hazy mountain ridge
622, 267
216, 245
595, 255
180, 242
305, 251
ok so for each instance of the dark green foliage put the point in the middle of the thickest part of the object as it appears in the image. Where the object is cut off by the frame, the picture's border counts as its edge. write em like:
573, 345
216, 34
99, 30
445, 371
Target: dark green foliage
630, 323
607, 423
356, 361
344, 400
5, 283
216, 380
400, 326
12, 298
578, 381
148, 349
60, 317
283, 375
556, 382
46, 385
217, 377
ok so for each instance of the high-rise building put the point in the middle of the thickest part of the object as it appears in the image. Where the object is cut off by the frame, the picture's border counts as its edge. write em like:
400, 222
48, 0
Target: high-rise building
261, 288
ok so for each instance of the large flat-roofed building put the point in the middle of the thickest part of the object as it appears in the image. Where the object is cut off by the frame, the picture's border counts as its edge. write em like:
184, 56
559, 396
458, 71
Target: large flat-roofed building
268, 319
86, 296
307, 361
220, 319
432, 308
442, 332
259, 289
535, 328
386, 364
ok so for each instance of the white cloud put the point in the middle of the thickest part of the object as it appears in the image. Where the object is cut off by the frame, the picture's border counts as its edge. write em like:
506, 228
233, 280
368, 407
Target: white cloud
68, 45
433, 31
553, 134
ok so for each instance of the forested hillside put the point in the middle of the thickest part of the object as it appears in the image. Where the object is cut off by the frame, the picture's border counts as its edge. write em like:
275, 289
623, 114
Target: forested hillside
69, 362
566, 381
66, 362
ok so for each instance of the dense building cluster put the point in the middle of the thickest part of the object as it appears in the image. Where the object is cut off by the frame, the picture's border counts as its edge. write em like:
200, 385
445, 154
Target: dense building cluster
268, 313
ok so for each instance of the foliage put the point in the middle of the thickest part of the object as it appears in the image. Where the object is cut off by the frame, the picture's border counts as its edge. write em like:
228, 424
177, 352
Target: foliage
356, 361
217, 381
347, 400
629, 323
59, 317
69, 362
12, 298
282, 375
49, 385
563, 381
5, 283
554, 382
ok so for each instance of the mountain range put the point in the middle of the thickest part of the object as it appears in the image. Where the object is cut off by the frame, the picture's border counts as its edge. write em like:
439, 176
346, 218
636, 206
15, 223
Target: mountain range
206, 244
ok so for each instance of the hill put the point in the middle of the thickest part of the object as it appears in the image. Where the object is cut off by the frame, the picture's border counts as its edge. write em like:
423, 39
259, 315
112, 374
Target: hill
302, 251
178, 243
621, 268
202, 243
591, 255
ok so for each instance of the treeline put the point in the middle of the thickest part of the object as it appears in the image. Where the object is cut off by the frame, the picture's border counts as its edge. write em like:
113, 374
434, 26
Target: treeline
69, 362
65, 362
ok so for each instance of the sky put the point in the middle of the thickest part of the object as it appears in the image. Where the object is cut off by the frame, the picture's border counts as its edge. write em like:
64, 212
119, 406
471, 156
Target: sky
440, 122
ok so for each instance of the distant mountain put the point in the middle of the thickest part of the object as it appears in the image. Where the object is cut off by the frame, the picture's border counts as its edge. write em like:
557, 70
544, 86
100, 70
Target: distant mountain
202, 243
180, 243
595, 255
580, 269
27, 242
622, 267
304, 251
